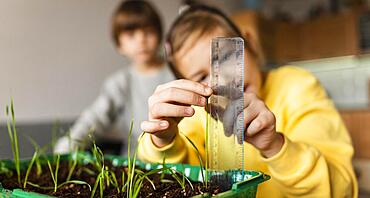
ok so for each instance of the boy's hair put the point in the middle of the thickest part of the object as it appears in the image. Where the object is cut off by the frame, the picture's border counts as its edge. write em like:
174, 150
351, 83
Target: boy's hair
199, 20
131, 15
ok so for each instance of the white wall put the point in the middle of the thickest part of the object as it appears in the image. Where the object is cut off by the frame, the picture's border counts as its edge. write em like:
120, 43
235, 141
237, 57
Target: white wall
54, 55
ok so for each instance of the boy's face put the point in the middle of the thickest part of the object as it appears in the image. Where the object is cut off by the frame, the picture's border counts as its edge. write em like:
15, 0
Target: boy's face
139, 45
192, 61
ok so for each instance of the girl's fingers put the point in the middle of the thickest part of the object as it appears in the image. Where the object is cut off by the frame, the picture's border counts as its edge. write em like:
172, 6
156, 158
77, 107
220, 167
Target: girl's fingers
165, 110
264, 120
188, 85
154, 126
177, 95
252, 111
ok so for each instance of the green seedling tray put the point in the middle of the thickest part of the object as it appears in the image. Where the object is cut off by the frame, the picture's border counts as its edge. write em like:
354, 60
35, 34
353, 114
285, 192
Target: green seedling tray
244, 189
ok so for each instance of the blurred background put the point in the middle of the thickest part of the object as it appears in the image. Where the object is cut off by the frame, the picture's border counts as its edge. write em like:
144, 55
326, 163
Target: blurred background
55, 55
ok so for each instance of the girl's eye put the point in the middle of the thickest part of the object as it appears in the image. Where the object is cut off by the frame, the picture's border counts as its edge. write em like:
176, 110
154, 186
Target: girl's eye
203, 77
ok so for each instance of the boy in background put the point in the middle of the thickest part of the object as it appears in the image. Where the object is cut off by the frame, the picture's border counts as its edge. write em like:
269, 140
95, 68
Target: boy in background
137, 34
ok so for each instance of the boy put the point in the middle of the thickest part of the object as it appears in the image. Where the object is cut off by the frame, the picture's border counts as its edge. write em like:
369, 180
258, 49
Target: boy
137, 34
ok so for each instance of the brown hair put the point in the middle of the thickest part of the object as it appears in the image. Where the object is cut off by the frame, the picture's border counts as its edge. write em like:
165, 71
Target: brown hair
198, 21
132, 15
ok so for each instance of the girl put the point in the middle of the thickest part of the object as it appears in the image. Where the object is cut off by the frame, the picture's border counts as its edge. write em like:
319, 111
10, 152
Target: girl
293, 130
137, 34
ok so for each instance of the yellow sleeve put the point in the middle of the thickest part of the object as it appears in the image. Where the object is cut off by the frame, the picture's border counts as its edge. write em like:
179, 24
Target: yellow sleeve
315, 160
180, 150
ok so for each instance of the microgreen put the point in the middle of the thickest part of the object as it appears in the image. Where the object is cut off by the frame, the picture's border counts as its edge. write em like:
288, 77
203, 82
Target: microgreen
35, 155
54, 174
202, 167
13, 136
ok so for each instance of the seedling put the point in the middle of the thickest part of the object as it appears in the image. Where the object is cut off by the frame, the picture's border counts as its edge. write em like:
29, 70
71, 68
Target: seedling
35, 155
202, 167
175, 174
54, 174
79, 182
13, 136
39, 151
72, 164
105, 176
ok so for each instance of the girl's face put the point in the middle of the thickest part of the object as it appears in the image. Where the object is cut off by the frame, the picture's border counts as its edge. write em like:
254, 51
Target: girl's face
192, 61
139, 45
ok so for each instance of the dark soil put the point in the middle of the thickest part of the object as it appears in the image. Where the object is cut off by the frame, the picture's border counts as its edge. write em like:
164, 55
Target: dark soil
162, 189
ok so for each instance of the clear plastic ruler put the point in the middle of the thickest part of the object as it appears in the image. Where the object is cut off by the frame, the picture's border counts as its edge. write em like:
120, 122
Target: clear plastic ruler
225, 133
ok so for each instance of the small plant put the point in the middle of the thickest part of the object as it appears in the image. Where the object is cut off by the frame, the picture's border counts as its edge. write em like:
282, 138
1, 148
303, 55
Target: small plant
35, 155
72, 164
105, 177
134, 181
40, 152
175, 174
13, 136
54, 174
202, 167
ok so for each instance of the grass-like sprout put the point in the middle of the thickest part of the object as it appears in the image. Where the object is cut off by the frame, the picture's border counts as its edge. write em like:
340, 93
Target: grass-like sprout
202, 167
72, 164
181, 181
133, 183
13, 136
175, 174
35, 155
40, 151
135, 177
60, 185
99, 182
130, 163
54, 173
105, 177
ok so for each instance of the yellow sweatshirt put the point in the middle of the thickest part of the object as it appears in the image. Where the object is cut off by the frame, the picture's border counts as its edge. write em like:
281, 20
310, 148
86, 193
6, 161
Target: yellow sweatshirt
315, 160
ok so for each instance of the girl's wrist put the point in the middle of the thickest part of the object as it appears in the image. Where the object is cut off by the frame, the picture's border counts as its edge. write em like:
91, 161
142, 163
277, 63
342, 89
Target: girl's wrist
275, 146
162, 141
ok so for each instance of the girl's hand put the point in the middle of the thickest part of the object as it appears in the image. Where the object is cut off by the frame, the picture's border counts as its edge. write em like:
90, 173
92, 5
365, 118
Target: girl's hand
170, 103
260, 130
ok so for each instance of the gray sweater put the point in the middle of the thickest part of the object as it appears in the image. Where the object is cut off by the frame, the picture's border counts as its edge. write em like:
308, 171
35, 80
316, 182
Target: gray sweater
123, 98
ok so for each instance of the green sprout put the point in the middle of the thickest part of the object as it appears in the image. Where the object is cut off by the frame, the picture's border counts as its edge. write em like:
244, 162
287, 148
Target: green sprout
72, 164
13, 136
175, 174
35, 155
105, 177
135, 177
60, 185
54, 174
202, 167
98, 182
40, 151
